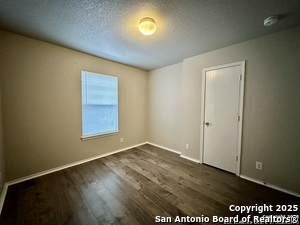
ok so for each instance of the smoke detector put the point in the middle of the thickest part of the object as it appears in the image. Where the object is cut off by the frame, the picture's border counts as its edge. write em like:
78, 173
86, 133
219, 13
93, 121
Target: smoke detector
270, 20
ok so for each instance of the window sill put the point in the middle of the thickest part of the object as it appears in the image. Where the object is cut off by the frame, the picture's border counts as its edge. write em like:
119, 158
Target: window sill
93, 136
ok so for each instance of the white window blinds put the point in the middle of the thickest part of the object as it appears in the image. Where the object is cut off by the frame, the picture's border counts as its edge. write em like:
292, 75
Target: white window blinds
99, 104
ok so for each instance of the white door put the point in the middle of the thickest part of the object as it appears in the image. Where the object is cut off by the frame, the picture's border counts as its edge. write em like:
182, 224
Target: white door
222, 117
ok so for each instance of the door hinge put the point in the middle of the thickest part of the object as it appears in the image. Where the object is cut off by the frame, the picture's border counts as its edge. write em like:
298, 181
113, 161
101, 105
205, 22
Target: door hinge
241, 77
239, 118
236, 157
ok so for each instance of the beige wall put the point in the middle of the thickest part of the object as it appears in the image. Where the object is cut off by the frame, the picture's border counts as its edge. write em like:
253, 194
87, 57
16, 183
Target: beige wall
41, 105
164, 106
2, 161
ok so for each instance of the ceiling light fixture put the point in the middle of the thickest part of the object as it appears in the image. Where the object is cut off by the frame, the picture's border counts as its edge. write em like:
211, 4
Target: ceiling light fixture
147, 26
270, 20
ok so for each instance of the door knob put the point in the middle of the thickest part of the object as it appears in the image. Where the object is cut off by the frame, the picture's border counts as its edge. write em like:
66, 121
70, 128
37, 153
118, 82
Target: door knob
206, 123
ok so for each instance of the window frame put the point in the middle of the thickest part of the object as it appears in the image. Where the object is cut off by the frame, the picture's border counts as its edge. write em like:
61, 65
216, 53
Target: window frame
102, 134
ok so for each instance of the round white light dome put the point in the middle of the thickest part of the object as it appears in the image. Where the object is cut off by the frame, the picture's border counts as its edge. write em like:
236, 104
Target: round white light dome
147, 26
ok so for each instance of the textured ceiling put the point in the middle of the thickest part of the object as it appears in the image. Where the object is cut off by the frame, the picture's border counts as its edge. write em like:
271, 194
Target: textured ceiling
109, 28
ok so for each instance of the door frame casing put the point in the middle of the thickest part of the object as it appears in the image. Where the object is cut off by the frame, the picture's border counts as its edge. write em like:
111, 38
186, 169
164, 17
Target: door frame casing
241, 109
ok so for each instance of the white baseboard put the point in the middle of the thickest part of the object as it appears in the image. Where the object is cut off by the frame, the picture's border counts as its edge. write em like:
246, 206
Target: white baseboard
168, 149
270, 185
171, 150
7, 184
242, 176
69, 165
2, 197
190, 158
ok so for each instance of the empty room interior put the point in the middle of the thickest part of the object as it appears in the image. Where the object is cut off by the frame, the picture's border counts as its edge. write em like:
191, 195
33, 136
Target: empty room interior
151, 111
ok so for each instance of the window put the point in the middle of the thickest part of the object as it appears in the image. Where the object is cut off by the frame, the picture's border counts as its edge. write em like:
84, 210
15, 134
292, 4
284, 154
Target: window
99, 104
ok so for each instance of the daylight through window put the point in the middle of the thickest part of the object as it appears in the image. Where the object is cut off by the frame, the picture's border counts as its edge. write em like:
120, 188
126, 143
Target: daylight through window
99, 104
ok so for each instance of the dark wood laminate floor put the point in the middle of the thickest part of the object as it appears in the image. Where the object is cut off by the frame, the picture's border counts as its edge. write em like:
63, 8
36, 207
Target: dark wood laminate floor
132, 187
